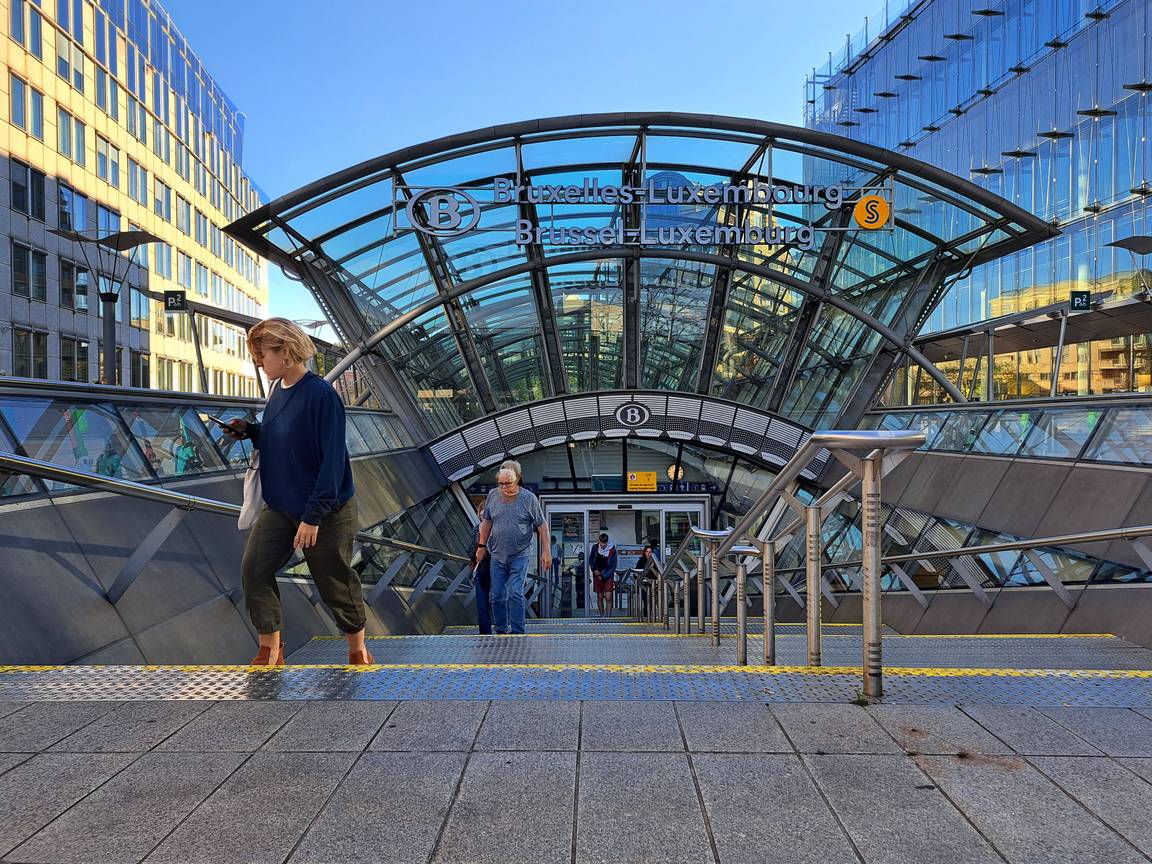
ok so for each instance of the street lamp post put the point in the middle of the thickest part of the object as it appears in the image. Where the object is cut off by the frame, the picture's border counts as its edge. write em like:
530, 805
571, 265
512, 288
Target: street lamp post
107, 251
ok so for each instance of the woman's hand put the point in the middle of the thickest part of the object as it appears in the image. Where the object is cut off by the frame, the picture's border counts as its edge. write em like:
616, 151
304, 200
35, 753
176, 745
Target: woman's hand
305, 536
237, 429
480, 553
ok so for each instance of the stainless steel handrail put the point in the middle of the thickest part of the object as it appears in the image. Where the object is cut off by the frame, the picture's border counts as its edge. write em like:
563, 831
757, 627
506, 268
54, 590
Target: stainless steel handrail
15, 464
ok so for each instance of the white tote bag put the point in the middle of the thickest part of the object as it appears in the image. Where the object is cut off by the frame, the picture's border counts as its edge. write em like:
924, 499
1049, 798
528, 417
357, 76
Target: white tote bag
253, 492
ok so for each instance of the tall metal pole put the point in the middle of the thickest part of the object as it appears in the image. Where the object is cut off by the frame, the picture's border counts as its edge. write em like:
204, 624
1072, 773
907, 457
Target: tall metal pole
109, 300
741, 614
676, 605
870, 570
812, 520
664, 601
700, 592
768, 565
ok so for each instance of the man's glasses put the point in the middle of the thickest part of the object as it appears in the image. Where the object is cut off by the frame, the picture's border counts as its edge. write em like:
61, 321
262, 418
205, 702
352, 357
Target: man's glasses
506, 483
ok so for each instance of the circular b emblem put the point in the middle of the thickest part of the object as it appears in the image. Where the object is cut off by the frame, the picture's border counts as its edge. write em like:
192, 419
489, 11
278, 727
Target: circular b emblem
632, 414
871, 212
443, 212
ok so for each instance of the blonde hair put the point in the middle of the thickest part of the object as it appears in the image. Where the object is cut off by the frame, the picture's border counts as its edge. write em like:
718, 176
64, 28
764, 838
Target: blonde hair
281, 333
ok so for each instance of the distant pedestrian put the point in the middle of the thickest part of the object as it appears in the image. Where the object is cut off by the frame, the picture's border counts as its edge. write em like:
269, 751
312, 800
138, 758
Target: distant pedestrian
603, 562
482, 579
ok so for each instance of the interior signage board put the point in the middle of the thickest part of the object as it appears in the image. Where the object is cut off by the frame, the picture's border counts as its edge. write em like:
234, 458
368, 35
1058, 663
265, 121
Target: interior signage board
641, 481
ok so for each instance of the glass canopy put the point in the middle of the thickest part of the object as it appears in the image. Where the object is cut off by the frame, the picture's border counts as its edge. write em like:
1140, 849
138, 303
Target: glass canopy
805, 324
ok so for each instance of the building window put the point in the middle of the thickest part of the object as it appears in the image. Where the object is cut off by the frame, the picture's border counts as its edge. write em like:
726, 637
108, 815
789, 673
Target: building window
137, 182
201, 228
37, 99
183, 215
29, 353
81, 143
140, 371
162, 199
73, 287
20, 268
19, 108
64, 130
107, 221
184, 271
35, 33
163, 260
73, 359
201, 279
73, 209
139, 309
16, 29
39, 274
107, 162
216, 241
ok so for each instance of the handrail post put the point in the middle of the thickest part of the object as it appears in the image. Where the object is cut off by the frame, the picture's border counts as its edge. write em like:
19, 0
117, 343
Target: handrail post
768, 572
870, 571
812, 520
664, 601
741, 615
700, 591
714, 560
676, 605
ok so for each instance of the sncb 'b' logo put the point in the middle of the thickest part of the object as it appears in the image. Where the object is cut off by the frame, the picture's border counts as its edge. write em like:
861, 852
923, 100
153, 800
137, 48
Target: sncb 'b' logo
871, 212
443, 212
632, 414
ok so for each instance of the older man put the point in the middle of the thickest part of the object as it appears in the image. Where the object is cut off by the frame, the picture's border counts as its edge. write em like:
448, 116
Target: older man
510, 516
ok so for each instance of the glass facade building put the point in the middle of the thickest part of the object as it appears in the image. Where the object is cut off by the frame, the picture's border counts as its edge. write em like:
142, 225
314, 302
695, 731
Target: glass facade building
1043, 102
109, 122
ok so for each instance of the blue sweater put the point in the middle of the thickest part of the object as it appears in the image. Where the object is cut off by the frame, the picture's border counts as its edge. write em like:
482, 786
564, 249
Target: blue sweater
304, 467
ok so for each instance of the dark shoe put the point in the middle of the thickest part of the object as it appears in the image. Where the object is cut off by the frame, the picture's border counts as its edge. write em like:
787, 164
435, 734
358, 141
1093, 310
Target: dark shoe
361, 658
264, 657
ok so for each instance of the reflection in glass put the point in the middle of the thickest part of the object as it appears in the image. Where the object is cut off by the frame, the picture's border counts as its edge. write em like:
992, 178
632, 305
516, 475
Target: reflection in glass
237, 453
1125, 435
1060, 434
960, 431
1003, 432
173, 441
87, 437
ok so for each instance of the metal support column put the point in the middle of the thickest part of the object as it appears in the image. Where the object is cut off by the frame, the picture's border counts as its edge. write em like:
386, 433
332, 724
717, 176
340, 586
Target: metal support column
700, 593
768, 572
741, 614
1060, 353
714, 567
815, 602
870, 573
676, 604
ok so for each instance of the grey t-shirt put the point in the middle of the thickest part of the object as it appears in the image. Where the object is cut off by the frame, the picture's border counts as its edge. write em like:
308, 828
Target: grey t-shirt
513, 523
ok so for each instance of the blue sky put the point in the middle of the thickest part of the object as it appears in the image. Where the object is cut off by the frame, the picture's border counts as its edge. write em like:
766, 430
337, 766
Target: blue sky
328, 84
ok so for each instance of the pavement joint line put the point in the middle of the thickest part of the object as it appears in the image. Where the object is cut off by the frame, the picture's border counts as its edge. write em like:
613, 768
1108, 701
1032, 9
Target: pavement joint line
665, 669
757, 633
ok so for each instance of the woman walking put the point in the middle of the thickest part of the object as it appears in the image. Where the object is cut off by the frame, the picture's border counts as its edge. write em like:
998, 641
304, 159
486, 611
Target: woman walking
306, 480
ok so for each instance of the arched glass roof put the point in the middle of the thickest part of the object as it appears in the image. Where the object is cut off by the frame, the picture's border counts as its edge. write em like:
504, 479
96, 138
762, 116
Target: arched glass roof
482, 321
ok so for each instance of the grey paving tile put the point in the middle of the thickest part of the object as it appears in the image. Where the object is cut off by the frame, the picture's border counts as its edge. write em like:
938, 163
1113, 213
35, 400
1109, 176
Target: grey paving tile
431, 725
1143, 767
259, 813
42, 724
791, 822
731, 727
1115, 731
631, 726
8, 761
12, 706
233, 726
497, 791
132, 727
935, 729
37, 791
664, 825
1117, 796
513, 725
832, 728
126, 817
331, 727
894, 814
1023, 814
389, 808
1029, 732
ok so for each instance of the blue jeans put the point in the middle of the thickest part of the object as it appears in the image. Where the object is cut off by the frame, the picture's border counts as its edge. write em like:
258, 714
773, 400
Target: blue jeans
508, 594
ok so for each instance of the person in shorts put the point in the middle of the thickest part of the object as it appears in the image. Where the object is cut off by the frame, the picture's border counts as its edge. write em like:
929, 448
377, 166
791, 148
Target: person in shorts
602, 562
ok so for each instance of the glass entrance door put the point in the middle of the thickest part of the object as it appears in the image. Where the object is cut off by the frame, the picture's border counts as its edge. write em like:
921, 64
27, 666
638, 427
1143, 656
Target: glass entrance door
566, 581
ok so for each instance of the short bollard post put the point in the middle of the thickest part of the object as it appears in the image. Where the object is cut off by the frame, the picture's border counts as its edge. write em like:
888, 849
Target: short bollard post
676, 605
715, 559
812, 520
768, 572
741, 615
700, 593
870, 570
664, 602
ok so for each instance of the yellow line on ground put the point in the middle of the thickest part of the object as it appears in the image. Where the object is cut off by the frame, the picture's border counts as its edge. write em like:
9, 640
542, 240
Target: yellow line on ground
727, 635
687, 669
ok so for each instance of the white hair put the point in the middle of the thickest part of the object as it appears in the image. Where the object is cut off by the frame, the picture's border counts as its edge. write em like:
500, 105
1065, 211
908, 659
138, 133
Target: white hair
509, 473
513, 466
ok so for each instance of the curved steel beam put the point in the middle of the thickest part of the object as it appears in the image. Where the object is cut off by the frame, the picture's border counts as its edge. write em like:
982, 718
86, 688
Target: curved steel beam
636, 252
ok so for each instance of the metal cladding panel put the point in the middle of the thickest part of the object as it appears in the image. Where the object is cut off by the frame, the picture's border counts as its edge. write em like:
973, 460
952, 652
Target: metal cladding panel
609, 424
583, 417
716, 423
453, 456
683, 420
550, 423
748, 428
781, 441
485, 442
516, 430
658, 405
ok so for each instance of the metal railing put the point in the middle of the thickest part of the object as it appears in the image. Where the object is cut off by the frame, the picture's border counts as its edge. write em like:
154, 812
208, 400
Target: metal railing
183, 503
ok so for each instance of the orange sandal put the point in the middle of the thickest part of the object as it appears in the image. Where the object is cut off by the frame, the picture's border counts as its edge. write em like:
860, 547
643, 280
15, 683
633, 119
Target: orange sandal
264, 657
361, 658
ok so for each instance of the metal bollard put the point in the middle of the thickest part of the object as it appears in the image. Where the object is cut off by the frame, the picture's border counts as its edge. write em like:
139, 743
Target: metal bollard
664, 602
715, 594
676, 605
870, 573
741, 615
700, 593
812, 520
768, 572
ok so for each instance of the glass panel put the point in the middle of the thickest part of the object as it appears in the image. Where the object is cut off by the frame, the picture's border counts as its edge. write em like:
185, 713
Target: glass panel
997, 565
1004, 432
462, 170
593, 149
706, 152
1066, 566
599, 465
366, 425
236, 452
589, 307
355, 442
90, 438
174, 441
12, 485
960, 431
1060, 434
1125, 435
507, 333
339, 211
568, 531
674, 300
